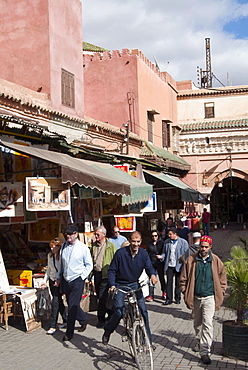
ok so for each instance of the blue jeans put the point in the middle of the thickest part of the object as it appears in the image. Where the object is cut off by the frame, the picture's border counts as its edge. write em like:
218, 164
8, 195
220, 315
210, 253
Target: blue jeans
206, 228
119, 304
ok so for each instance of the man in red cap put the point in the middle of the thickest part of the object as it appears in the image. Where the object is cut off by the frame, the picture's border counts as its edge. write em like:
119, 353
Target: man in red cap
203, 283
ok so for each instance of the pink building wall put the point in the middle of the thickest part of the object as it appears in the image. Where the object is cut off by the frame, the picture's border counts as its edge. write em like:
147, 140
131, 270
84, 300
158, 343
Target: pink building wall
38, 38
109, 81
122, 87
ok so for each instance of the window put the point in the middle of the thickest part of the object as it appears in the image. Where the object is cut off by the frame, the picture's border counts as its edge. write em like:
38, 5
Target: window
67, 89
150, 123
209, 110
166, 134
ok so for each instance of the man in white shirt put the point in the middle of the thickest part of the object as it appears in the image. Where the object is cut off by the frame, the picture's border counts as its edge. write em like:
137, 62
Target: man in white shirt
75, 266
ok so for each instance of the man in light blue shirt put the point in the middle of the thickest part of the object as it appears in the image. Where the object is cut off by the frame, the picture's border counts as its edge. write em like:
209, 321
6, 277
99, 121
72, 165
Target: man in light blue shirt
117, 238
75, 266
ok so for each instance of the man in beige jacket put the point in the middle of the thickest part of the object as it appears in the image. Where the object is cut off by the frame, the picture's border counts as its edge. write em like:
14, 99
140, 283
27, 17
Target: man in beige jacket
203, 283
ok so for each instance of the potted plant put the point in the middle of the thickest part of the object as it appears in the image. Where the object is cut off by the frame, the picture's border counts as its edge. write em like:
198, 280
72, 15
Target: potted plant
235, 332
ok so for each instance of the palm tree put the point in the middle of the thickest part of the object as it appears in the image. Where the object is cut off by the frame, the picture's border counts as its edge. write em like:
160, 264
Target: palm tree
237, 275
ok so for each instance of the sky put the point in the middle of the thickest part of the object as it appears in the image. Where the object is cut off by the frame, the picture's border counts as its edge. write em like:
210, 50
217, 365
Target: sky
173, 33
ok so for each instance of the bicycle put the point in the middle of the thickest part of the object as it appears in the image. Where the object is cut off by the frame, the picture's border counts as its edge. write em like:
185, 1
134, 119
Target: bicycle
135, 331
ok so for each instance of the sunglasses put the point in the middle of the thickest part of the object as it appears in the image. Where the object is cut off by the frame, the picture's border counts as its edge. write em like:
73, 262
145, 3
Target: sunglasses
70, 233
153, 236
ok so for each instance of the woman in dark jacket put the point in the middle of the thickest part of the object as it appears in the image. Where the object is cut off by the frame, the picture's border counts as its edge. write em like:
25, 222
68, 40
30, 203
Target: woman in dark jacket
155, 250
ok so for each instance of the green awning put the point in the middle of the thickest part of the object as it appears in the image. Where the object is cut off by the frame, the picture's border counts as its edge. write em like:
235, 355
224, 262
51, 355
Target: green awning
140, 191
171, 160
188, 194
75, 170
95, 175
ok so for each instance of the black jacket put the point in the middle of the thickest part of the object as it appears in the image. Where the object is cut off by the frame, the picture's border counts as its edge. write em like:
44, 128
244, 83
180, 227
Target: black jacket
153, 250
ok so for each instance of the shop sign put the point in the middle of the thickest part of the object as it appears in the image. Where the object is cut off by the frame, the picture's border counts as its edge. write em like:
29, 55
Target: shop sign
150, 205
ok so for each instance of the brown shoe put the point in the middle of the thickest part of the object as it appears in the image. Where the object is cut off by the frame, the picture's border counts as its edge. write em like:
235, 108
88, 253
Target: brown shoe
66, 338
105, 337
82, 328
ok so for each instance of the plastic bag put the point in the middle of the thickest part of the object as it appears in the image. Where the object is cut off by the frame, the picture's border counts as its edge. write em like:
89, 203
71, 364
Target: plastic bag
43, 304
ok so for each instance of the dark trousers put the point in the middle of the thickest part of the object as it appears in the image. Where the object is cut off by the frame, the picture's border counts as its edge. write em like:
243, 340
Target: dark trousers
57, 305
101, 286
73, 291
159, 267
171, 272
205, 228
119, 307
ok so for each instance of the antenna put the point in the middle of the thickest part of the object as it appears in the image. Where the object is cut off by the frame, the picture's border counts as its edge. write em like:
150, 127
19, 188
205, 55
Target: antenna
206, 76
156, 63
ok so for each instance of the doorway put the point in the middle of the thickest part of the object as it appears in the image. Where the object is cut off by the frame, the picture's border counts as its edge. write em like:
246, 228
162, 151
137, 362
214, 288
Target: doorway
226, 200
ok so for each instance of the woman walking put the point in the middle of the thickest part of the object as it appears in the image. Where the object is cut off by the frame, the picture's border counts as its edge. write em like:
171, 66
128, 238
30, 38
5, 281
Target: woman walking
155, 250
51, 275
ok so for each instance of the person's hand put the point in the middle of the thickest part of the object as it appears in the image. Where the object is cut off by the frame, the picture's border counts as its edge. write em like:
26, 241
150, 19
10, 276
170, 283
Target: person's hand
57, 282
112, 289
43, 285
154, 279
159, 257
180, 259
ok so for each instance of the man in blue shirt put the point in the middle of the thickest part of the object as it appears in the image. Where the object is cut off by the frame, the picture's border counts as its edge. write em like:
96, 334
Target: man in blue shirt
125, 270
117, 238
75, 265
174, 247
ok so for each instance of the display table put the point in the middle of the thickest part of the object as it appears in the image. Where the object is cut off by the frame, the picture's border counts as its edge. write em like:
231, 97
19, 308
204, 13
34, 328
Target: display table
19, 301
5, 310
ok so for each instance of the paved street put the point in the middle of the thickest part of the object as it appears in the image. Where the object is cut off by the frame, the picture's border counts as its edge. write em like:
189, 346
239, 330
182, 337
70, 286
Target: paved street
171, 327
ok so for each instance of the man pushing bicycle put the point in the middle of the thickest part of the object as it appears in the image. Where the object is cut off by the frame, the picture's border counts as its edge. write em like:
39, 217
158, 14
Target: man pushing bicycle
124, 271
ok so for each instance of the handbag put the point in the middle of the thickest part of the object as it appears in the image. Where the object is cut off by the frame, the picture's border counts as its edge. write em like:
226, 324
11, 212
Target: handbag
43, 304
89, 301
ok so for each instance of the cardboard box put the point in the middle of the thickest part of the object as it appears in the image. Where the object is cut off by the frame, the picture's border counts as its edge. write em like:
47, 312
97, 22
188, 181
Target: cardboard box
20, 277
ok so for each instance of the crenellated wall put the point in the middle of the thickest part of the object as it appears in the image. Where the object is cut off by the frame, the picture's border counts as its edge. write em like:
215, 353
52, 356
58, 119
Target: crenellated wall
109, 55
121, 86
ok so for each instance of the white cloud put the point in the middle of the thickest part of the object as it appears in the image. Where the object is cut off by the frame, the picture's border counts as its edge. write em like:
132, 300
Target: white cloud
174, 31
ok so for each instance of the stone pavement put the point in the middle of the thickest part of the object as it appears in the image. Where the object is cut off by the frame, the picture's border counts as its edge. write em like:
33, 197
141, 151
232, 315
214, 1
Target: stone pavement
171, 327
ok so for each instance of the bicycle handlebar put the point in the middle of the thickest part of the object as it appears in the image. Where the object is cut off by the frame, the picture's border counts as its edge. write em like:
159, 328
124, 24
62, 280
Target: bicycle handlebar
142, 284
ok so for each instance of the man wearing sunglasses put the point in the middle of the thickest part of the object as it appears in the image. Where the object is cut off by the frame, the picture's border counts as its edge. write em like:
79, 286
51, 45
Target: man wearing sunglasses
117, 239
74, 267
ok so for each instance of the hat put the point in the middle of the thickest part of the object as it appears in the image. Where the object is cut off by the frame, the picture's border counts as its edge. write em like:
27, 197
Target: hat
206, 239
196, 234
71, 229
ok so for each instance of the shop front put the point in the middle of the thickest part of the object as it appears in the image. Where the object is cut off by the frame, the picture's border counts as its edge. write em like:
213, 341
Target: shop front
42, 191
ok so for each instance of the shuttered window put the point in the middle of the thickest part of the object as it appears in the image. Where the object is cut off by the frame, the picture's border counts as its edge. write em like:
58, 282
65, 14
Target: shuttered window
67, 89
209, 110
166, 134
150, 123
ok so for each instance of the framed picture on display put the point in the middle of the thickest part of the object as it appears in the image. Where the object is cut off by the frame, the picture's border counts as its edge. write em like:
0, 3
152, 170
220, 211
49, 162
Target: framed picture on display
125, 223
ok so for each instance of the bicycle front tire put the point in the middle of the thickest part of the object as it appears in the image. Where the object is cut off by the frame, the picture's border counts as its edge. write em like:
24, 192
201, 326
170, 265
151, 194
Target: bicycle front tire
142, 347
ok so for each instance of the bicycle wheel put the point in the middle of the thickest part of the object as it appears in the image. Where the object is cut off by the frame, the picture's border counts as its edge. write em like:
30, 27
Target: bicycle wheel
129, 330
142, 347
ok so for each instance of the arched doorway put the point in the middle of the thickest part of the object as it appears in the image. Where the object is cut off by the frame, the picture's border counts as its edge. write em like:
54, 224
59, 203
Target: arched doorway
226, 197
